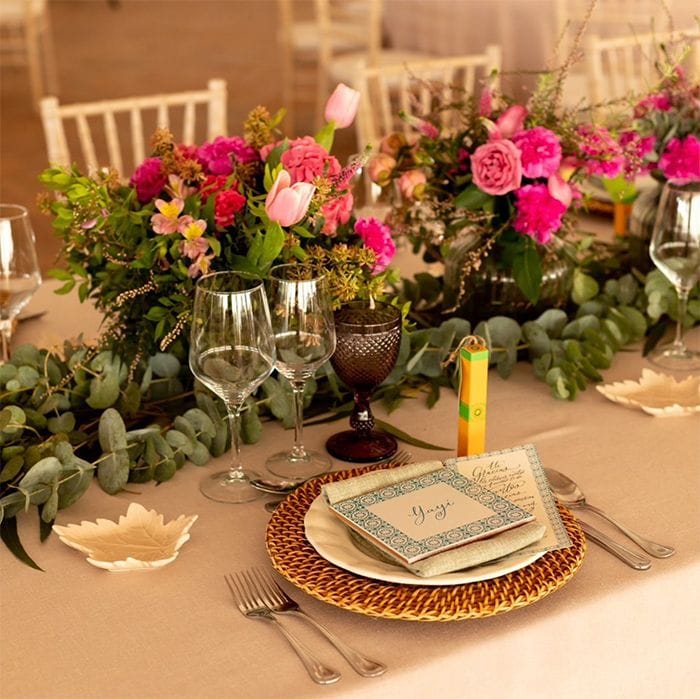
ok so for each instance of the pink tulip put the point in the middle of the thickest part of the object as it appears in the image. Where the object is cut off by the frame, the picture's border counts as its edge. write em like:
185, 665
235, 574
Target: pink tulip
511, 121
342, 105
560, 189
287, 203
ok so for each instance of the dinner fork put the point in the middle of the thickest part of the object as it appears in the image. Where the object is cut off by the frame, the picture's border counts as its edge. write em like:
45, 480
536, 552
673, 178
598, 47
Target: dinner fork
280, 602
250, 605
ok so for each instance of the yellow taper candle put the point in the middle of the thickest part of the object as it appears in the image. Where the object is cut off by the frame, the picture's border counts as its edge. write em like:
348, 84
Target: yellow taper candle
474, 370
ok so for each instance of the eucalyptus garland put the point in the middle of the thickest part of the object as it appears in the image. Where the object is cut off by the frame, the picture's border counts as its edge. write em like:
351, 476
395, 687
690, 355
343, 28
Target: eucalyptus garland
66, 416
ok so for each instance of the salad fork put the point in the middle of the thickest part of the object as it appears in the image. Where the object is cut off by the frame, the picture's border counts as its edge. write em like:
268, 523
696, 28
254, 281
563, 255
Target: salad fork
242, 588
279, 602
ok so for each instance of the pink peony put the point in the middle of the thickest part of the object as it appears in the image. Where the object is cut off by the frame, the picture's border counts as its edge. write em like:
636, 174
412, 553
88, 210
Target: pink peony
335, 212
680, 161
496, 167
538, 213
148, 179
305, 160
227, 204
217, 156
540, 151
377, 236
602, 154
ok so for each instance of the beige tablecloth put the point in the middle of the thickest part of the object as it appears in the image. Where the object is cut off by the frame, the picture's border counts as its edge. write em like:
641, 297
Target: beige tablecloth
74, 631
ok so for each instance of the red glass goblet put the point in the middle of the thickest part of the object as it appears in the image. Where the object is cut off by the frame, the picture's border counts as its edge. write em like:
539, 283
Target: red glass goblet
367, 347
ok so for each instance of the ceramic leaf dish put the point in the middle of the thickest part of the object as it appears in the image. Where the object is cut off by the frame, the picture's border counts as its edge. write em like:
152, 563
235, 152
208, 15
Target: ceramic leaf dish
139, 541
657, 394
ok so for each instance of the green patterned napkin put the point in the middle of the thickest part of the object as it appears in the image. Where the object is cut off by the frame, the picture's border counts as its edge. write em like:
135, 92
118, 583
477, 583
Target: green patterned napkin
467, 556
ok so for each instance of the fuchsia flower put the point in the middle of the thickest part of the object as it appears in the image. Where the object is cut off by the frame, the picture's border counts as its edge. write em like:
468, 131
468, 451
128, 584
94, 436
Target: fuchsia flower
168, 219
148, 179
602, 154
287, 203
540, 151
342, 105
652, 103
496, 167
305, 160
336, 211
680, 161
377, 236
636, 150
217, 157
538, 213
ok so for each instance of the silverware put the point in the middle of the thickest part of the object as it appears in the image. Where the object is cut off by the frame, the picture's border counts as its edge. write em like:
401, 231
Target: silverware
280, 602
622, 552
242, 588
568, 492
32, 315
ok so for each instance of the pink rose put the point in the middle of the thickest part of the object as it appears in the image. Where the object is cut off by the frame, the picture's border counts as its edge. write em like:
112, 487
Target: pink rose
496, 167
540, 151
287, 204
342, 105
305, 160
148, 179
335, 212
412, 184
392, 144
680, 161
538, 213
377, 236
381, 167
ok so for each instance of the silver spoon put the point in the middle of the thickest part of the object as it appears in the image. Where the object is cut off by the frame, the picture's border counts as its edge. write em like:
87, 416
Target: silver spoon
570, 494
275, 487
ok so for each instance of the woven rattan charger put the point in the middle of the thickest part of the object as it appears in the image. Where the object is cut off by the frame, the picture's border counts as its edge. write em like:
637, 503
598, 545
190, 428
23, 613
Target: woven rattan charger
299, 562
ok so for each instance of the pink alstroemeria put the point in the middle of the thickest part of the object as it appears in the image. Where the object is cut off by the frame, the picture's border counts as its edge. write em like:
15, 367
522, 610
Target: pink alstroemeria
200, 266
166, 221
287, 203
194, 248
177, 188
342, 105
192, 229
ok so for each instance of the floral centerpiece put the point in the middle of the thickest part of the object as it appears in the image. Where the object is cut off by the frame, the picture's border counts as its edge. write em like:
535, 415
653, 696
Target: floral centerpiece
496, 188
236, 203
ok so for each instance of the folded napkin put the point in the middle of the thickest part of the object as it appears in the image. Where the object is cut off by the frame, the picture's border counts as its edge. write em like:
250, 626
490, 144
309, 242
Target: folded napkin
465, 556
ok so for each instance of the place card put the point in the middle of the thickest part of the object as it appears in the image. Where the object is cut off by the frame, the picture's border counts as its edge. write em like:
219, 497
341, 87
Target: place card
517, 474
421, 516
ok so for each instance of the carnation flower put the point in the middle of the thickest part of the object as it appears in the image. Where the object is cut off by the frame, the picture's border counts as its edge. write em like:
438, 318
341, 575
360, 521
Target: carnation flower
680, 161
218, 156
538, 214
377, 236
305, 160
148, 179
540, 151
227, 204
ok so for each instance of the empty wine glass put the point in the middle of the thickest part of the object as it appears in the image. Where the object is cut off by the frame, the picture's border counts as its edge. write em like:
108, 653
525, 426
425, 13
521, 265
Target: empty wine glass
302, 323
231, 352
675, 250
367, 347
19, 269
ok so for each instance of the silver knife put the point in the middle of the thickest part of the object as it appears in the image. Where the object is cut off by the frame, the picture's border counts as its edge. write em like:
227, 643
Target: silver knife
622, 552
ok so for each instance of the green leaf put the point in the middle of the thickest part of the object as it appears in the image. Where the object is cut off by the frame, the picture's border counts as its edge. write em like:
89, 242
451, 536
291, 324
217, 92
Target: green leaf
62, 423
272, 244
113, 471
324, 136
40, 479
10, 537
405, 437
584, 288
527, 272
104, 391
472, 198
201, 422
112, 431
167, 366
536, 337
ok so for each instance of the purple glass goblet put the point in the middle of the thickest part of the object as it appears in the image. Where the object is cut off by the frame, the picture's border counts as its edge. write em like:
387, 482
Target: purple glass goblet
367, 347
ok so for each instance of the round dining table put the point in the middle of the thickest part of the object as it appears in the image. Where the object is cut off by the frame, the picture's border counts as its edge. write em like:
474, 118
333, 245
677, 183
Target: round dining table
75, 631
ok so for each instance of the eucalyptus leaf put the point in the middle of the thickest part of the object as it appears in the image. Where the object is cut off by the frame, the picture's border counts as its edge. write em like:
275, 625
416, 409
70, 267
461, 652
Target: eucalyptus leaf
164, 365
112, 431
113, 471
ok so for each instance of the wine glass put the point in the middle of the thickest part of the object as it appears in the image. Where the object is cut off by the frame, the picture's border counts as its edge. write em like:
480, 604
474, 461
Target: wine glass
367, 347
675, 250
231, 352
19, 269
302, 323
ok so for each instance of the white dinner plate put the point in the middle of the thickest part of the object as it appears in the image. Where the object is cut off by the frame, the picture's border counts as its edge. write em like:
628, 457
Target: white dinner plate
331, 539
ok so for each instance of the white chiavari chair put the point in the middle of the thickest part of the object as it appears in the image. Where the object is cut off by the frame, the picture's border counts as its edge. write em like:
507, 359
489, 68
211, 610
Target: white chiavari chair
116, 132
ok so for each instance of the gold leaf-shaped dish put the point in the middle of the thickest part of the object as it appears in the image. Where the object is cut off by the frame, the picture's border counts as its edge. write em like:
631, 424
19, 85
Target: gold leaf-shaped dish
657, 394
139, 541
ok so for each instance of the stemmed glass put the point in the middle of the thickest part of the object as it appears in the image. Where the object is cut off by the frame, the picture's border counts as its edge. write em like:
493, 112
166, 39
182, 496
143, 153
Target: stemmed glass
367, 347
302, 323
675, 250
232, 352
19, 269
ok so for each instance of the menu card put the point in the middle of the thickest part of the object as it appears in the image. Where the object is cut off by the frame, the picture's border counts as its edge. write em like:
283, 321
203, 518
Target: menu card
419, 517
517, 474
